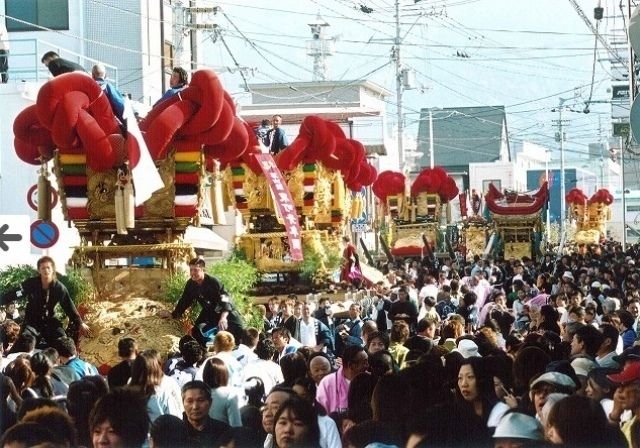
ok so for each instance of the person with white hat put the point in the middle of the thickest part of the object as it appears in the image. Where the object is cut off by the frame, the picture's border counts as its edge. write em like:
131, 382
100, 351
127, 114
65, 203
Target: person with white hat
548, 383
518, 430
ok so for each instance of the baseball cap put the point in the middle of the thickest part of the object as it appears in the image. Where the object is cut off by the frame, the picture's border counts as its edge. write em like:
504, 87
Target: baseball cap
567, 274
583, 365
515, 425
629, 374
555, 378
467, 348
596, 285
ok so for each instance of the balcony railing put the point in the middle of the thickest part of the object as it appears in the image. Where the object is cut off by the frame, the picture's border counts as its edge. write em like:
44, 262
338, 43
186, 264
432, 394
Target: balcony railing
25, 64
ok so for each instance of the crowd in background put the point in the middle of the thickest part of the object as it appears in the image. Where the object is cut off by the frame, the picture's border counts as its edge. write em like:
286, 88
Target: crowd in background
441, 353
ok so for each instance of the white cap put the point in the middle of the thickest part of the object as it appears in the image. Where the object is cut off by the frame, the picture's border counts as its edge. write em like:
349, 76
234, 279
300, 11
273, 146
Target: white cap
467, 348
516, 425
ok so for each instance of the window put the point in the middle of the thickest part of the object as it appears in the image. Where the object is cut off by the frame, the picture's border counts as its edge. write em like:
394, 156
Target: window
496, 183
52, 14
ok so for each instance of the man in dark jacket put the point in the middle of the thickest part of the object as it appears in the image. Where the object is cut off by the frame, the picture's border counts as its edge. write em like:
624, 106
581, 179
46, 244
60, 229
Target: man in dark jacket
119, 374
43, 293
58, 66
196, 400
276, 137
218, 313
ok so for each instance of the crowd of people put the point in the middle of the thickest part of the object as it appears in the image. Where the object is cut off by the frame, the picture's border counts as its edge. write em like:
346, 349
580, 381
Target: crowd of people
517, 353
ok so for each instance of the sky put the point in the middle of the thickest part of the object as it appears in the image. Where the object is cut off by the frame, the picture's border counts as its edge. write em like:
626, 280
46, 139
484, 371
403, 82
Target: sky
521, 54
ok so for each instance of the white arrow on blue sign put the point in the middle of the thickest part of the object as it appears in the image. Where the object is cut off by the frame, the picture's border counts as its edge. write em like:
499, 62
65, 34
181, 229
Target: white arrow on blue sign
14, 236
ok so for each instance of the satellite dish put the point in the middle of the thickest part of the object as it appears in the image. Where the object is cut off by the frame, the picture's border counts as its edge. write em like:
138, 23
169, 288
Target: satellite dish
634, 30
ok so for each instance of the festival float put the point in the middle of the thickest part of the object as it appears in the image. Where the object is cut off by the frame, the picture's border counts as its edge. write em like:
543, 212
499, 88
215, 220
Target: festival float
324, 173
475, 228
132, 189
516, 216
132, 192
590, 215
411, 217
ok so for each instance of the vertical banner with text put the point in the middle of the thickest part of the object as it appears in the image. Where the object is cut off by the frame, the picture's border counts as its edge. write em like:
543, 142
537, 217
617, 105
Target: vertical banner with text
284, 203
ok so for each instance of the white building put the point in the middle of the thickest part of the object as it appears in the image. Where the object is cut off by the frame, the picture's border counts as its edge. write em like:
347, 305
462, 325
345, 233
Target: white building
358, 107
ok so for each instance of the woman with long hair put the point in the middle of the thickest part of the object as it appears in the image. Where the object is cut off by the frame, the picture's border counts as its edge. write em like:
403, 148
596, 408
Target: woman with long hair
578, 421
475, 408
158, 389
19, 371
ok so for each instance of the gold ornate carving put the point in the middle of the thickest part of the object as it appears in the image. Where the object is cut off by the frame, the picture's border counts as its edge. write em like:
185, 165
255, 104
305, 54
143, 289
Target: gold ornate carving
161, 202
256, 190
322, 193
295, 181
101, 189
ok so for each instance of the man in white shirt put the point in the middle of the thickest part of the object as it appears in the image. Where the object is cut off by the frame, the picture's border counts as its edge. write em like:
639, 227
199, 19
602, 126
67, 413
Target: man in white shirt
263, 367
311, 332
245, 351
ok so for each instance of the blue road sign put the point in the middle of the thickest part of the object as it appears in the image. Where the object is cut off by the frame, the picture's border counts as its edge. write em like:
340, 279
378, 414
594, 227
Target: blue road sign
44, 234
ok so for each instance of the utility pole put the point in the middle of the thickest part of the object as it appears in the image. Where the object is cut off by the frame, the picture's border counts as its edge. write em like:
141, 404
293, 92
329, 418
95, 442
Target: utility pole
196, 25
395, 55
193, 25
560, 138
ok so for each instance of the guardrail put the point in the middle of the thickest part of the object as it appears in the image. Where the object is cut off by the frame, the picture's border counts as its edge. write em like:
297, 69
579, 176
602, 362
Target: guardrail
25, 64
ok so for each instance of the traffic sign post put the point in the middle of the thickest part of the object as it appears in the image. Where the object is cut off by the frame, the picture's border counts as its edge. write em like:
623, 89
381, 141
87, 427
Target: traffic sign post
44, 234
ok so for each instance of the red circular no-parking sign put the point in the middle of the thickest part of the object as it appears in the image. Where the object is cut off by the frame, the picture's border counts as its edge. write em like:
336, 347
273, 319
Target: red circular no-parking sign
32, 197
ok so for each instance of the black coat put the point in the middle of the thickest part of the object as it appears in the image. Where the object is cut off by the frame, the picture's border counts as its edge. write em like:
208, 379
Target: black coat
59, 66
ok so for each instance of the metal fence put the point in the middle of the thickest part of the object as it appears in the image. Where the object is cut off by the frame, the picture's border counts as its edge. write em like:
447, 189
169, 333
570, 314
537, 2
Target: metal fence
25, 64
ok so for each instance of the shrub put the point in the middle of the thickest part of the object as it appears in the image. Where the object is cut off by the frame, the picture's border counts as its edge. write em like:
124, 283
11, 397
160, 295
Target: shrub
238, 276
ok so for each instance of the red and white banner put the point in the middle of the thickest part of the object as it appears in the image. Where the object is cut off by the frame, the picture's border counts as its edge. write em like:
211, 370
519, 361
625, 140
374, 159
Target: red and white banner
284, 203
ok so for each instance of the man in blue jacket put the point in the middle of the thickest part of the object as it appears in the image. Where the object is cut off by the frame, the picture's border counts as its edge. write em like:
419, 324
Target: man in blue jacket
99, 74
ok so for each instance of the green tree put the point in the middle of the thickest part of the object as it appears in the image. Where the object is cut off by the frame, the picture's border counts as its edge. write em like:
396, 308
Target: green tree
11, 277
238, 277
